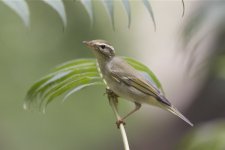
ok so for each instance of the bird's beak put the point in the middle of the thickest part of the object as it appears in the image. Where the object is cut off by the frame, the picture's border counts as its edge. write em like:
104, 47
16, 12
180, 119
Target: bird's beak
88, 43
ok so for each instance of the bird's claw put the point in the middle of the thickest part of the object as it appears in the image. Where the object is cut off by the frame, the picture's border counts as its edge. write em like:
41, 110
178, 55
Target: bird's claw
118, 122
110, 93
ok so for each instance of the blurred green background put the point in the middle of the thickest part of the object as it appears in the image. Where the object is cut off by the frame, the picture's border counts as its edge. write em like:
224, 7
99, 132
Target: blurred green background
191, 72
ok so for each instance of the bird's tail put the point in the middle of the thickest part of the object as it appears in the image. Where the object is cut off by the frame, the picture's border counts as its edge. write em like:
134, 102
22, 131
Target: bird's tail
173, 110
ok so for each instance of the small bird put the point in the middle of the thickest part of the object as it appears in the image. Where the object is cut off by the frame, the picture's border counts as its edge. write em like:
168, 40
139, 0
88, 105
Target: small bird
127, 82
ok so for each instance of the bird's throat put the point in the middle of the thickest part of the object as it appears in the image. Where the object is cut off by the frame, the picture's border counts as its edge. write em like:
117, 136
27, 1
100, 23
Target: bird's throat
100, 73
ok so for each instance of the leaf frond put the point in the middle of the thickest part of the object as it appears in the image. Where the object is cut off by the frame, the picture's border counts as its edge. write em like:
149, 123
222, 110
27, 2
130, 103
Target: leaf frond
71, 77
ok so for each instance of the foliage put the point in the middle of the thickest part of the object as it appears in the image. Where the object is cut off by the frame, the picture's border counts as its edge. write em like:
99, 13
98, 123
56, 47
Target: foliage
71, 77
206, 137
21, 8
206, 27
204, 36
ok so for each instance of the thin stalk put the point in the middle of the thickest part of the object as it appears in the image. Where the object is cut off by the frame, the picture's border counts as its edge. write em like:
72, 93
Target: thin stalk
113, 100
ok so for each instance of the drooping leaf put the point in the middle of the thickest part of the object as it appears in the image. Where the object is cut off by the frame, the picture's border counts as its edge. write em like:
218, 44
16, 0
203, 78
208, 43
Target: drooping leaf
110, 10
58, 6
71, 77
59, 76
126, 5
194, 24
89, 8
72, 85
149, 8
93, 75
21, 9
183, 5
67, 78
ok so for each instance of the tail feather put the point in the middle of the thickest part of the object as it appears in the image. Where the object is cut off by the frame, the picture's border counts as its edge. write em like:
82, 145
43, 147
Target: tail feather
173, 110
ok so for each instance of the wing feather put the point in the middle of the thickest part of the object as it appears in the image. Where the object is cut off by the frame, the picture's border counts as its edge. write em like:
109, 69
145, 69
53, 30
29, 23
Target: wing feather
140, 84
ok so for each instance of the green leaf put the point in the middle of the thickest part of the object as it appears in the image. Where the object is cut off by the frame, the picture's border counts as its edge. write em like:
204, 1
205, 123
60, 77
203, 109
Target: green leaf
51, 89
110, 10
21, 9
71, 77
149, 8
58, 6
67, 77
59, 76
89, 8
126, 5
75, 84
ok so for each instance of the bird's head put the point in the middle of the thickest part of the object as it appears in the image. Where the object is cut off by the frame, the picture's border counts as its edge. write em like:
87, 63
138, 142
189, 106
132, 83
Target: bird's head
102, 49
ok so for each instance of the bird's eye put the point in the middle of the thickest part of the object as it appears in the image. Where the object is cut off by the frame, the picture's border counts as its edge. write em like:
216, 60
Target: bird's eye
102, 46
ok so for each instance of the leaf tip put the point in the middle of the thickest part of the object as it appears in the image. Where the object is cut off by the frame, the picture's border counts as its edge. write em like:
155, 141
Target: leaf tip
183, 4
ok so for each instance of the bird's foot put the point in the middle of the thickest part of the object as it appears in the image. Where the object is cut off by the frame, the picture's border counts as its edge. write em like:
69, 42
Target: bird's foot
110, 93
118, 122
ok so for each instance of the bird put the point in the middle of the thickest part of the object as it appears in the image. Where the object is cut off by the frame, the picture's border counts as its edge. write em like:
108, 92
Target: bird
127, 82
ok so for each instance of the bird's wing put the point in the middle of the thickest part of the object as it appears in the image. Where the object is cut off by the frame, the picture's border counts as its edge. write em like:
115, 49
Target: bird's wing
137, 81
131, 77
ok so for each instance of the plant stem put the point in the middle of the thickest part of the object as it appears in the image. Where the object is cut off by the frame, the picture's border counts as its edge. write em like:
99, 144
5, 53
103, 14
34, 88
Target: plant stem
113, 100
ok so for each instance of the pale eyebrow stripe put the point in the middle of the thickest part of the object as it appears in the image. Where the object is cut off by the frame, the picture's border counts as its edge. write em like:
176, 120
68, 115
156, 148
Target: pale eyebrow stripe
111, 47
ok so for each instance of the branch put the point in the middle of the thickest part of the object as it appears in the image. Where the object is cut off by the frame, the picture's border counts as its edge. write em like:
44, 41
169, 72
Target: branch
113, 101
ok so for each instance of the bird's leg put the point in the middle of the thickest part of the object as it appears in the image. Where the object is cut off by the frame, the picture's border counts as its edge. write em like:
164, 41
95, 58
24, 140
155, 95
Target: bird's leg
113, 101
111, 95
137, 107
